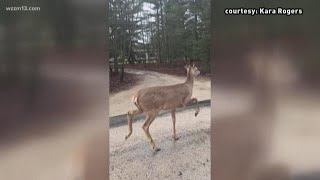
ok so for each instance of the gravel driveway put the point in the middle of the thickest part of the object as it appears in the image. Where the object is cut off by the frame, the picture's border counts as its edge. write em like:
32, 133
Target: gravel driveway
186, 158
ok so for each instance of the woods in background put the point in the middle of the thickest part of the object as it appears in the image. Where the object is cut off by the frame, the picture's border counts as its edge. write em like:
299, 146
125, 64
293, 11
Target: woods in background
158, 31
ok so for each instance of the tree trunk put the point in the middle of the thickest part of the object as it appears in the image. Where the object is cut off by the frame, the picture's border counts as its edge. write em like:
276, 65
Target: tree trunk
110, 71
122, 73
162, 26
115, 65
130, 59
158, 35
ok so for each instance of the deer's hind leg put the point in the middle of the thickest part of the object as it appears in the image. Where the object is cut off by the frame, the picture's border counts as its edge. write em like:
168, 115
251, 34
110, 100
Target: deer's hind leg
173, 115
149, 119
129, 117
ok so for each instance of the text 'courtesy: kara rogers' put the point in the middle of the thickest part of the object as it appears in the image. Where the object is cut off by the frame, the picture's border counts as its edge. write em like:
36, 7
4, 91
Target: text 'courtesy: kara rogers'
264, 11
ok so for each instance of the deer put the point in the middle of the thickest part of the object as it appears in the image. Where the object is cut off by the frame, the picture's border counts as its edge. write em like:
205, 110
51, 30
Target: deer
152, 100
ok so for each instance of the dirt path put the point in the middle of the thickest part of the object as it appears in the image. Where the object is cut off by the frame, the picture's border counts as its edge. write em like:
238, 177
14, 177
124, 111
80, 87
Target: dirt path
120, 102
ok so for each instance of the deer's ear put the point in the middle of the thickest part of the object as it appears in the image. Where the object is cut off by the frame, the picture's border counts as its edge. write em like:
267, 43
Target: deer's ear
186, 67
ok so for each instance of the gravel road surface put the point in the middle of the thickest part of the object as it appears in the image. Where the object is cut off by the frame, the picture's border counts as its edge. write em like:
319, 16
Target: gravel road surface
186, 158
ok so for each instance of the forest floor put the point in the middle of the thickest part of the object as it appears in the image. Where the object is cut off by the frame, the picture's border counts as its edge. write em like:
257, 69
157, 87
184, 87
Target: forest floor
129, 80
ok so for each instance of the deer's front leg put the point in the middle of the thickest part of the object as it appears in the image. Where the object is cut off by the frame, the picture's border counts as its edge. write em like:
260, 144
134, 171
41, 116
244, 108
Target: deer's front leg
173, 115
192, 100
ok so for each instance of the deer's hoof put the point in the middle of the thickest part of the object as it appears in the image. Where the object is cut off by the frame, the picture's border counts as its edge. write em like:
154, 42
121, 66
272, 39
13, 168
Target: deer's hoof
156, 149
195, 114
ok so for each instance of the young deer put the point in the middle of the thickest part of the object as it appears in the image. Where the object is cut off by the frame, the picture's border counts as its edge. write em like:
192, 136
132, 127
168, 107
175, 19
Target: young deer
154, 99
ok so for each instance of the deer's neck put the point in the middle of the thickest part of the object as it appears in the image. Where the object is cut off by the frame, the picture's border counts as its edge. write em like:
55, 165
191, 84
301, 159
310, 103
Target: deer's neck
190, 79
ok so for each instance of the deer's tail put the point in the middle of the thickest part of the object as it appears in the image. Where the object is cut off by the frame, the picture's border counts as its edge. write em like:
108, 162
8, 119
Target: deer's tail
135, 101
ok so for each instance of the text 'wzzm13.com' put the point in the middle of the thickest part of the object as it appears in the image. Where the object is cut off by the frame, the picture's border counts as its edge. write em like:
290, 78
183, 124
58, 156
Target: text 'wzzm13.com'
264, 11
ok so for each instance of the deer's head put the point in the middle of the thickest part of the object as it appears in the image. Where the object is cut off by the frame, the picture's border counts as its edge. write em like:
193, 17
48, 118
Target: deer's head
192, 69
